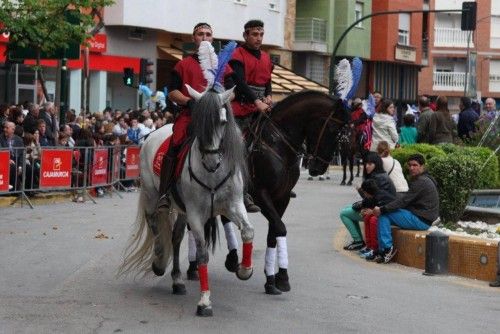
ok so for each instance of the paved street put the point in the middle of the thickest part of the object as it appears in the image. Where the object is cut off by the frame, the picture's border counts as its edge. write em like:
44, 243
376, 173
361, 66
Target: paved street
58, 264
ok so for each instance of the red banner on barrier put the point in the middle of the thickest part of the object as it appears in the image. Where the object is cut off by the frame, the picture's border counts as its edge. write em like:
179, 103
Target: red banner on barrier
55, 171
4, 170
100, 167
116, 163
132, 161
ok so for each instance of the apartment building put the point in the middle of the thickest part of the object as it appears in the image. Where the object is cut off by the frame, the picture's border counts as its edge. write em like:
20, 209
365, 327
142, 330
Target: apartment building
318, 25
450, 71
396, 53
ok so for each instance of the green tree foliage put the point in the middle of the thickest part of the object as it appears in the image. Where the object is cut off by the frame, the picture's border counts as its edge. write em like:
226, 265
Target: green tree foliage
428, 151
41, 25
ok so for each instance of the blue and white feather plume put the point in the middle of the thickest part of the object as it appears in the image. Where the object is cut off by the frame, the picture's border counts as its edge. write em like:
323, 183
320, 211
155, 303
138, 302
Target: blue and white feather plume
225, 56
343, 78
208, 61
357, 70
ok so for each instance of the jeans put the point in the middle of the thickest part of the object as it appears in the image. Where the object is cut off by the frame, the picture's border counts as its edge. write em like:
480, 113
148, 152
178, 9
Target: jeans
351, 219
402, 218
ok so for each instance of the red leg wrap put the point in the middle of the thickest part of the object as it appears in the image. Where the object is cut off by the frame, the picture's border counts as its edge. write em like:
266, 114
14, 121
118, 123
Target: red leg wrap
203, 273
247, 255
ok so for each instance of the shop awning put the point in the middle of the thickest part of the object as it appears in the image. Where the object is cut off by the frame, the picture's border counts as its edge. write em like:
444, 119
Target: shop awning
173, 53
285, 81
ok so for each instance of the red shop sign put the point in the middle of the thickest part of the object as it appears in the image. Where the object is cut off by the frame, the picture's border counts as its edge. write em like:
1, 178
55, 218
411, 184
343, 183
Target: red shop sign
132, 160
98, 43
116, 163
4, 170
100, 167
55, 171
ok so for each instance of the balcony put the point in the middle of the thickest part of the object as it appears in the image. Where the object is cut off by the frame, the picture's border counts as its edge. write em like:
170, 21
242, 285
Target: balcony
310, 35
451, 37
449, 81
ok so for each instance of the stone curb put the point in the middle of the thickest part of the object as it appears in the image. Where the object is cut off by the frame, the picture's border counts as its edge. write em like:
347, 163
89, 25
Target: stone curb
467, 257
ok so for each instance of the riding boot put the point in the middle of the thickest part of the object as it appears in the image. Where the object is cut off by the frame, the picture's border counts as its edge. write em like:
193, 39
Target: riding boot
293, 194
249, 204
167, 175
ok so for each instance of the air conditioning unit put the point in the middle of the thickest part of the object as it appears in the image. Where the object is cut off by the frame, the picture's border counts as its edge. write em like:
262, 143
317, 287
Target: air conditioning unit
136, 34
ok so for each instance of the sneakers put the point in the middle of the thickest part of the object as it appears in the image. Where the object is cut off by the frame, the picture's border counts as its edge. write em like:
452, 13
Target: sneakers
355, 245
495, 284
387, 255
373, 257
367, 253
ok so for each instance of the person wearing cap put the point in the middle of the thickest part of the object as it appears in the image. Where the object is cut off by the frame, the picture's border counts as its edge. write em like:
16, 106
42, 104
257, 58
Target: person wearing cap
252, 74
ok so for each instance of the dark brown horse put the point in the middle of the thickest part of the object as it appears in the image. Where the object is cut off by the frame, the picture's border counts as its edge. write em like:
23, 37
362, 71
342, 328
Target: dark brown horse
309, 117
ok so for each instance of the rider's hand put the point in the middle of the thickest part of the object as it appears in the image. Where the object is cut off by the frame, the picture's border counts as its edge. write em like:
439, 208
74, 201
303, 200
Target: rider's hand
268, 100
261, 106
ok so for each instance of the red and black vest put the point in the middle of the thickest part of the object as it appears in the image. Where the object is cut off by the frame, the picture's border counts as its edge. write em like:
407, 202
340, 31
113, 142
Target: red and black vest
257, 73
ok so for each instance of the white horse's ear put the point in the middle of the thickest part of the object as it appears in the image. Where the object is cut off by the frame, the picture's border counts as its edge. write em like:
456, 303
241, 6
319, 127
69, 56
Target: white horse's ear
193, 93
226, 96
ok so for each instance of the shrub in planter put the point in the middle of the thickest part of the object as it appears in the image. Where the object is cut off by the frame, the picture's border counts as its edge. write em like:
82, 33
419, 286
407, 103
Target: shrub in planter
428, 151
456, 175
449, 148
487, 177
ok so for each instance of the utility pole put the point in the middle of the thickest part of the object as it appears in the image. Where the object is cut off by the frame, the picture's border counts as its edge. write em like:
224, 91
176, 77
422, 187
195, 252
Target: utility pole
337, 45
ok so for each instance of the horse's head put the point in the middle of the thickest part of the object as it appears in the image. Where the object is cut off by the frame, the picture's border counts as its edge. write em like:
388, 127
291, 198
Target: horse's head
322, 136
211, 115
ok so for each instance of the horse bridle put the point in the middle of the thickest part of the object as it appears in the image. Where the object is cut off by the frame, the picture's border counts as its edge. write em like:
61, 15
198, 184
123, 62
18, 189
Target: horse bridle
315, 155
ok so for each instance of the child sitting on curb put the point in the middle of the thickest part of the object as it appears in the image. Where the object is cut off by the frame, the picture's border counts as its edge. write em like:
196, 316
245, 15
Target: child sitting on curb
373, 196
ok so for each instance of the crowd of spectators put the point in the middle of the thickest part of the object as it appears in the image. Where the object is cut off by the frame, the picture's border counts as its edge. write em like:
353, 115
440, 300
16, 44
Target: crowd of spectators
28, 127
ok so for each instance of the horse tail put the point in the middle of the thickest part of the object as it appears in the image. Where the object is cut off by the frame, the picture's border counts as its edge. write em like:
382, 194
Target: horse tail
139, 253
211, 231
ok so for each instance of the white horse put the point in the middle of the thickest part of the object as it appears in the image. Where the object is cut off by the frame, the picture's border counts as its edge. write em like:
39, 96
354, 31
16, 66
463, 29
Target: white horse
211, 184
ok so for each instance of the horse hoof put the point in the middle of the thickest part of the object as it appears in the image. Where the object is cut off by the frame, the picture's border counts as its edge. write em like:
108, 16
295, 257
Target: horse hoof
204, 311
232, 261
178, 289
244, 273
271, 289
157, 271
349, 183
310, 178
342, 183
192, 275
281, 279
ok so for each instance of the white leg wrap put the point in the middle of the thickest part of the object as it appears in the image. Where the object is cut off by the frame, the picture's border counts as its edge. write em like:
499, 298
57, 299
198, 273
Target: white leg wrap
232, 242
205, 299
282, 252
270, 261
191, 247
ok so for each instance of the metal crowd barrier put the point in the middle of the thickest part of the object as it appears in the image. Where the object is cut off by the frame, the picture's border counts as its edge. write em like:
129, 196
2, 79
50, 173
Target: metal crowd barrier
66, 169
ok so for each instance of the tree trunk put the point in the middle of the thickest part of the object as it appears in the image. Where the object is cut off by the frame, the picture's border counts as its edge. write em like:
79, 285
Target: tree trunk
40, 77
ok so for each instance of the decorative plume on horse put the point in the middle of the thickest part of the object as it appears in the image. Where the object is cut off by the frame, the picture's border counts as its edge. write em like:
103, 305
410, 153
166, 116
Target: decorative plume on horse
210, 184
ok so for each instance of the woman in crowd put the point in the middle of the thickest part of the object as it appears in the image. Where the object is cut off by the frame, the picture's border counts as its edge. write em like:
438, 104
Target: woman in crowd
441, 128
384, 126
351, 214
392, 167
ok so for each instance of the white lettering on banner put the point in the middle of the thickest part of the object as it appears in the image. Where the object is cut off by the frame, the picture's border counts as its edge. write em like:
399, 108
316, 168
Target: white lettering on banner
132, 167
100, 172
55, 174
97, 45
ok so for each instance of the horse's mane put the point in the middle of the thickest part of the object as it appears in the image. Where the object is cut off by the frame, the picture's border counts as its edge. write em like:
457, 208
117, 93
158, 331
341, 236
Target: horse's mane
206, 119
286, 104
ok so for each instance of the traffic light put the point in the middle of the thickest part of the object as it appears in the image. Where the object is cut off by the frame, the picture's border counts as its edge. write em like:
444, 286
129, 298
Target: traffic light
128, 76
147, 71
469, 10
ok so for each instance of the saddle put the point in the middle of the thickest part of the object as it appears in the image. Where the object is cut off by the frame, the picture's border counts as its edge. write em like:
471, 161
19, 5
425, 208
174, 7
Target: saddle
162, 150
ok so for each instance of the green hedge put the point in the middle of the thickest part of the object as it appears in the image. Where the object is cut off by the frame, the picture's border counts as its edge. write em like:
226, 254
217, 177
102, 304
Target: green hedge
428, 151
488, 176
456, 175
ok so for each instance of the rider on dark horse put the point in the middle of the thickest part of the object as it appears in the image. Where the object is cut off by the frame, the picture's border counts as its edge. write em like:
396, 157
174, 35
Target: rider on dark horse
359, 122
188, 71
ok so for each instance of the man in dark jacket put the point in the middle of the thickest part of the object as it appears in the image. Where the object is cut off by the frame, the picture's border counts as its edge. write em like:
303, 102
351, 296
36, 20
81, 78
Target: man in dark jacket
48, 114
417, 210
33, 116
466, 119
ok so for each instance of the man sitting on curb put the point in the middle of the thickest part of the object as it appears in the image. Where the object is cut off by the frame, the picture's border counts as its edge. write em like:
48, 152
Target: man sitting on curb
416, 210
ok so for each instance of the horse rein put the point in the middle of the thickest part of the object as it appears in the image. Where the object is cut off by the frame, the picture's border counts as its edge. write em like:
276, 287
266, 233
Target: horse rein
211, 190
315, 155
